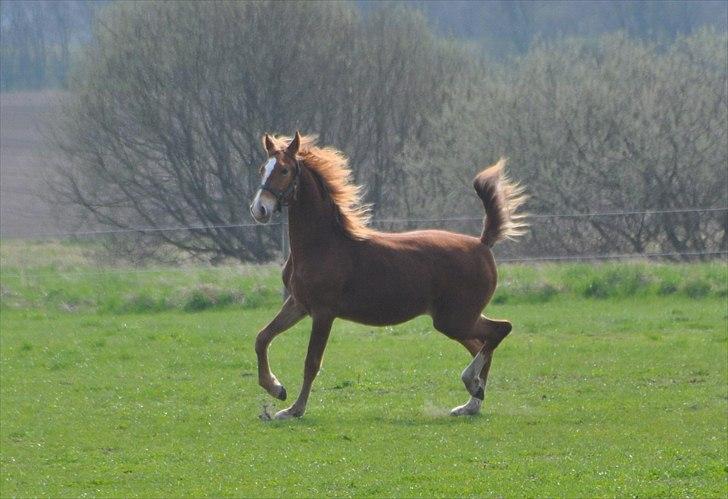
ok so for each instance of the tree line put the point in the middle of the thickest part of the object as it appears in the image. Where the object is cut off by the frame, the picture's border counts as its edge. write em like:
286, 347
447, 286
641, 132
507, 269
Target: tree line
163, 124
510, 27
39, 40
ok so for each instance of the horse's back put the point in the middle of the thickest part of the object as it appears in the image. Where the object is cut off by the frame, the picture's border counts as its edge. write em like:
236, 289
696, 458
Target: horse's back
445, 254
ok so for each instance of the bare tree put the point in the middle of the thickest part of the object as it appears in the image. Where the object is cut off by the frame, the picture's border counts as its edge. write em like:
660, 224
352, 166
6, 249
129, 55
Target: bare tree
163, 127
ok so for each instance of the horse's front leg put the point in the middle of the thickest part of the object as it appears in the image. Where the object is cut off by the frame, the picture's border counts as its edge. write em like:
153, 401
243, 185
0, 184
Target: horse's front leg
316, 345
289, 315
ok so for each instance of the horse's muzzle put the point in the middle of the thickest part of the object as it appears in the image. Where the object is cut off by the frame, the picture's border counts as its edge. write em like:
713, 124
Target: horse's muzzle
261, 209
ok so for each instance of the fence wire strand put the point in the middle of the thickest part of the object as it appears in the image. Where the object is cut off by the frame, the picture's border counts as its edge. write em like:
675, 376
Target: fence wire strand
143, 230
282, 223
542, 259
615, 256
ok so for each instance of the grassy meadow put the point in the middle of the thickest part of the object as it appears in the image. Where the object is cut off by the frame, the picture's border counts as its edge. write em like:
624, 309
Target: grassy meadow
142, 382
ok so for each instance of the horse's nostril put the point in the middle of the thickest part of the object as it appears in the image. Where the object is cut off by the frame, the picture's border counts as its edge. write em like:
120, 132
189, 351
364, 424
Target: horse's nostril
262, 210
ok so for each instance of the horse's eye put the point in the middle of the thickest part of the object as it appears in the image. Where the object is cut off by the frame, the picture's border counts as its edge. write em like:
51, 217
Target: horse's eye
284, 171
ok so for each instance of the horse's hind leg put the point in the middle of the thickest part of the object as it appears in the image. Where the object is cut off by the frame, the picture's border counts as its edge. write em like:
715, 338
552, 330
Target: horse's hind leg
488, 333
288, 316
472, 406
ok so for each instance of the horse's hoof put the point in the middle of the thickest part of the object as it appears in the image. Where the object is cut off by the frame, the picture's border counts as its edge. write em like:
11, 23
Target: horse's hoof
470, 409
463, 411
282, 393
274, 388
286, 414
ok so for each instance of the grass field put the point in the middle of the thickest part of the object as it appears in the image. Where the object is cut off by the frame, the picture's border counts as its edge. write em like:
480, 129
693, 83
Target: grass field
614, 382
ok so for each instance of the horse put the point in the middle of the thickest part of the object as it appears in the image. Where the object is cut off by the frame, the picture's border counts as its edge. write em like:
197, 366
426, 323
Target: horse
339, 267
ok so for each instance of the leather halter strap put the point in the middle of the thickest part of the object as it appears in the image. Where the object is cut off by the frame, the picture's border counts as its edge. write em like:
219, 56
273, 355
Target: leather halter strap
283, 197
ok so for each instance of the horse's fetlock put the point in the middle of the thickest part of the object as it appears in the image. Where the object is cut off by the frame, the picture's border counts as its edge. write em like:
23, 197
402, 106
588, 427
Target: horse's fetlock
480, 393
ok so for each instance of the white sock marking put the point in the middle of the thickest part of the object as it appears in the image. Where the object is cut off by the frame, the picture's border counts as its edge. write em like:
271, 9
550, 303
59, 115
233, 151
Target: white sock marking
474, 368
471, 407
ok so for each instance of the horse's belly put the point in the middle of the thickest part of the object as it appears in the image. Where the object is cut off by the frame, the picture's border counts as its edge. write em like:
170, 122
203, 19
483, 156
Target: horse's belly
380, 319
382, 308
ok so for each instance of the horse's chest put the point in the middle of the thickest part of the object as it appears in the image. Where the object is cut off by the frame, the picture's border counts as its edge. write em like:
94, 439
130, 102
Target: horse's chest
313, 287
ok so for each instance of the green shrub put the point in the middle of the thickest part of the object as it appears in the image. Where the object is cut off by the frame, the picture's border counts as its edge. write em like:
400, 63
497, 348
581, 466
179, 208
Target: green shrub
667, 288
612, 281
544, 292
141, 303
207, 296
696, 288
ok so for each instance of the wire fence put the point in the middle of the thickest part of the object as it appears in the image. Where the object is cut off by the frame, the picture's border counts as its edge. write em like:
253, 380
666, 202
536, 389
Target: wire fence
392, 222
616, 256
379, 222
174, 270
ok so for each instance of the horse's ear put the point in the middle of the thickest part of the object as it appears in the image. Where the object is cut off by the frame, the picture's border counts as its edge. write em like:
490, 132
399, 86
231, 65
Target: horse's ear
270, 147
294, 145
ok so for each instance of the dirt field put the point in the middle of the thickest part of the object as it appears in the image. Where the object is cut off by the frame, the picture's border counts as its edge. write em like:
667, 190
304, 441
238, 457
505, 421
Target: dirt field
25, 165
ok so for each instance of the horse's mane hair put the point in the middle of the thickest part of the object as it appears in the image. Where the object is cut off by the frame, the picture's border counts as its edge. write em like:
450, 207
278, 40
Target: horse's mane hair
332, 167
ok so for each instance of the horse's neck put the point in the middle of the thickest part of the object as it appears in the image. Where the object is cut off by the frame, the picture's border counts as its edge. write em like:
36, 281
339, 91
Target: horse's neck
310, 218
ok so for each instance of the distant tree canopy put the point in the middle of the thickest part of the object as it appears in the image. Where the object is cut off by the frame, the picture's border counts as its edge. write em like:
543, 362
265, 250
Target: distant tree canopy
38, 40
164, 124
510, 27
41, 37
607, 125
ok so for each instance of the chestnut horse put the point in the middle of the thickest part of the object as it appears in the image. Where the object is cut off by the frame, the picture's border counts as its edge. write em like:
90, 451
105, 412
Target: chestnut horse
339, 267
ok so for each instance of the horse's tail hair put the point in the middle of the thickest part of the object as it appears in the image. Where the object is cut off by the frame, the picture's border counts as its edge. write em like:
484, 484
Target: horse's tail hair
501, 198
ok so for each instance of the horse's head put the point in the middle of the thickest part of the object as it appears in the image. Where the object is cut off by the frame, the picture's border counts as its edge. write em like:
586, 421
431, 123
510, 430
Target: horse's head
279, 178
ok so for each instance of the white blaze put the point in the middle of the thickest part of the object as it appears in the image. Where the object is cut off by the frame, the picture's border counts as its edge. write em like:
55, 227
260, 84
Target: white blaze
267, 203
268, 169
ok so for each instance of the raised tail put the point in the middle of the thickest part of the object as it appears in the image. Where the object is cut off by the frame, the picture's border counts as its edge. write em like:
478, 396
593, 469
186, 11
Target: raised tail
501, 198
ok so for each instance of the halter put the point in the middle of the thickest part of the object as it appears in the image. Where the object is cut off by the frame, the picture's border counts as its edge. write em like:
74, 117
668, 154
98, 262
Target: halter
283, 197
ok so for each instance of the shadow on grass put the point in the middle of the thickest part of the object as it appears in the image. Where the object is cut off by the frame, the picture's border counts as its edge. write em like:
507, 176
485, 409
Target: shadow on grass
313, 420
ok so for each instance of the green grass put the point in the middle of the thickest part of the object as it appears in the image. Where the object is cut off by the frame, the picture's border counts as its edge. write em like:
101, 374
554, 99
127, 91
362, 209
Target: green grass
53, 276
619, 391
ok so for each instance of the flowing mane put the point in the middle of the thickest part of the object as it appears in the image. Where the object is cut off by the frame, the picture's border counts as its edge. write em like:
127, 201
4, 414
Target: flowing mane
332, 167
